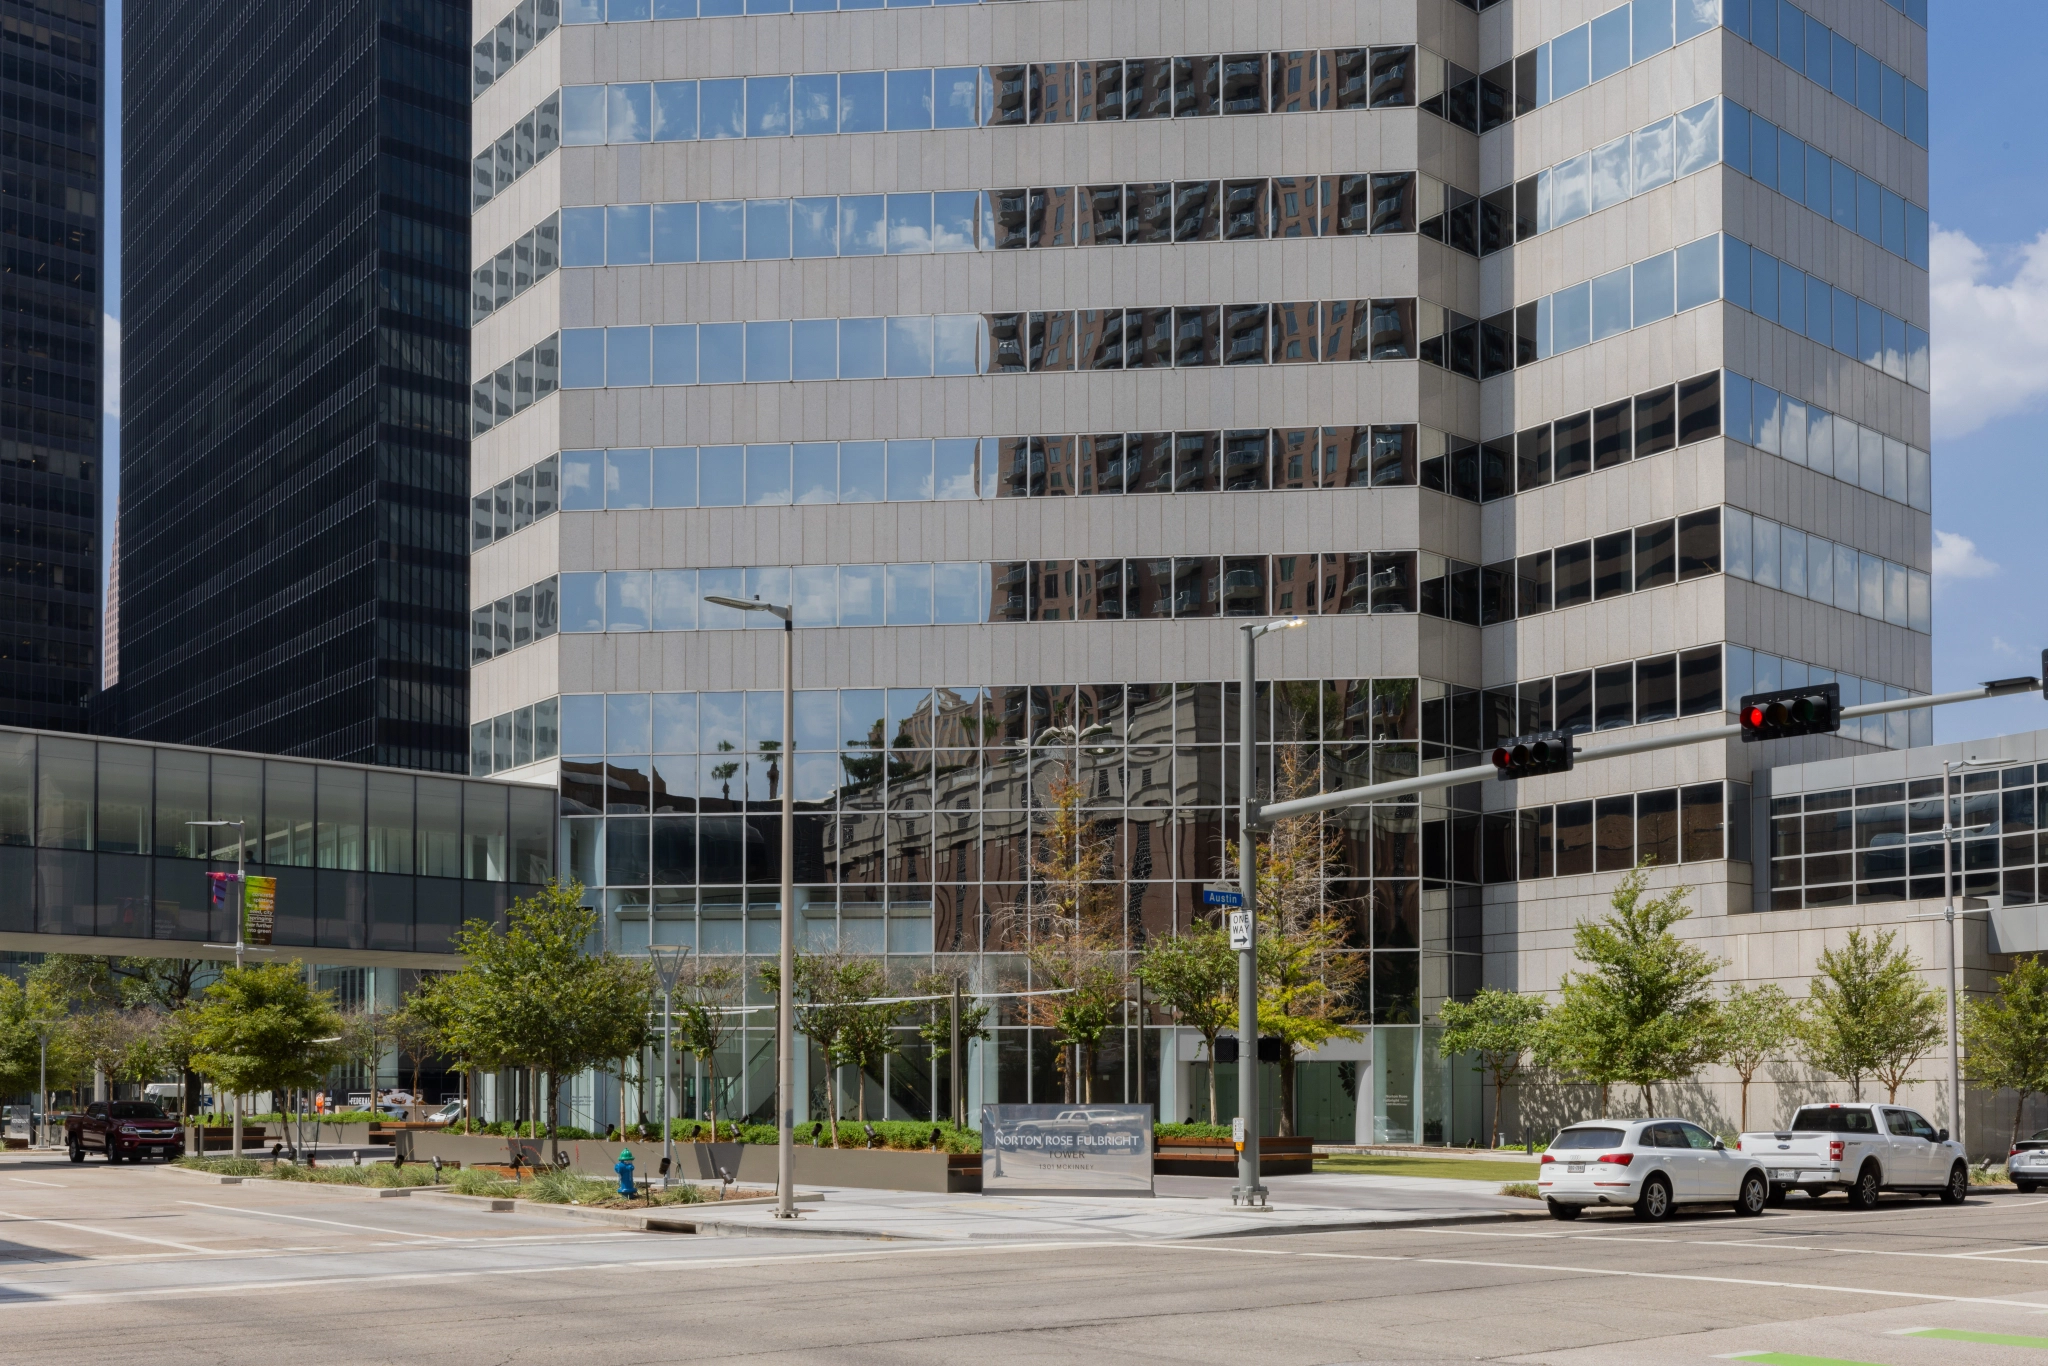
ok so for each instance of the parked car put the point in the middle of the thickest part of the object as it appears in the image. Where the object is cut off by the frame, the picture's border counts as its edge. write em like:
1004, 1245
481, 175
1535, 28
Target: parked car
125, 1130
449, 1113
1864, 1149
1079, 1121
2026, 1166
1650, 1165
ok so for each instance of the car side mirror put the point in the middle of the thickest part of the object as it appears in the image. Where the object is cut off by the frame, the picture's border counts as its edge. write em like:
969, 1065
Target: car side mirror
1719, 1146
1941, 1135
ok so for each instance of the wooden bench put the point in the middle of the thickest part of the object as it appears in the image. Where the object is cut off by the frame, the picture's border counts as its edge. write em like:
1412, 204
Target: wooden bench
1217, 1157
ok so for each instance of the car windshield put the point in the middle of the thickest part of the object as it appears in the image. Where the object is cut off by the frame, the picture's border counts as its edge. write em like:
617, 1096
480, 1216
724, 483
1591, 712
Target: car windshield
1585, 1138
1832, 1119
136, 1109
2041, 1134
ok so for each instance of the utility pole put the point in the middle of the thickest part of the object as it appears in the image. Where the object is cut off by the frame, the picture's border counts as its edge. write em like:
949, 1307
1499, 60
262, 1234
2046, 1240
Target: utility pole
953, 1058
241, 945
668, 966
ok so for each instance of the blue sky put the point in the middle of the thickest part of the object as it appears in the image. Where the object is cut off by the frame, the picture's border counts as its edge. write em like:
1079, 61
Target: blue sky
1990, 212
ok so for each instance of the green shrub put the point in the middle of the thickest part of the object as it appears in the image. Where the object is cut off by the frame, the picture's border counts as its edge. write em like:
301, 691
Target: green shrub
473, 1181
381, 1175
505, 1128
1192, 1130
221, 1166
551, 1186
1526, 1190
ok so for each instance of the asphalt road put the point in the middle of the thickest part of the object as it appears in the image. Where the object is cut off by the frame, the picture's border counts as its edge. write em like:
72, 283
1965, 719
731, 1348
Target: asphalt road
102, 1264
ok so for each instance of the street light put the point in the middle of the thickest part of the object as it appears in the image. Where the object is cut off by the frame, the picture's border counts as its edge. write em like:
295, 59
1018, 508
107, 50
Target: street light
1951, 831
1249, 1192
785, 997
240, 947
668, 966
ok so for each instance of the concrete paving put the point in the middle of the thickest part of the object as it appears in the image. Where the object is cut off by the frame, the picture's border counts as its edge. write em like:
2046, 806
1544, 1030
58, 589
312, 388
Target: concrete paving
1183, 1207
99, 1262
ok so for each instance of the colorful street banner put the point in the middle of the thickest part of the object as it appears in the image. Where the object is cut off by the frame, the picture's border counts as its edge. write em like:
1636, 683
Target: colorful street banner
259, 909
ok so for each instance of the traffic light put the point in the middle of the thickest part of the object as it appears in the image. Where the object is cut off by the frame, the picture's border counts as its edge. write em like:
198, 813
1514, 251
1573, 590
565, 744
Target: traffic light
1532, 755
1794, 711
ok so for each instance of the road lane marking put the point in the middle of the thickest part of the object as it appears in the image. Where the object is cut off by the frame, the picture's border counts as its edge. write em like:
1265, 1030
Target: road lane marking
1989, 1254
1610, 1271
336, 1223
1792, 1359
53, 1185
1967, 1335
15, 1298
108, 1233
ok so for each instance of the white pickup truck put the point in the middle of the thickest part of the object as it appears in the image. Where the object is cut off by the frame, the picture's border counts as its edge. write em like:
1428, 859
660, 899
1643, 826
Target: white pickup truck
1862, 1149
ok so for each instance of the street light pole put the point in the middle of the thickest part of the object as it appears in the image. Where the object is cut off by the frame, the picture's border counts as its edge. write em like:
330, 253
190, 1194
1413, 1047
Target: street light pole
668, 965
1249, 1192
241, 949
785, 993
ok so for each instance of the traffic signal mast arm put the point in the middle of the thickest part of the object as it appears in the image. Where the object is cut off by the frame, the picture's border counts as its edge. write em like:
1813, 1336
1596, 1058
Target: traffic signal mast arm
1430, 782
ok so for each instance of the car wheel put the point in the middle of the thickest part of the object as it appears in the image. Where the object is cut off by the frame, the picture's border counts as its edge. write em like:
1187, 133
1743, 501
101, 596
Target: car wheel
113, 1155
1564, 1212
1958, 1187
1863, 1195
1755, 1194
1777, 1200
2023, 1187
77, 1153
1654, 1204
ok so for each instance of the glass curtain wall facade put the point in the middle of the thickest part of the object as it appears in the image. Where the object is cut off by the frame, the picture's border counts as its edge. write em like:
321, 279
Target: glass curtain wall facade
96, 842
52, 65
295, 367
1516, 527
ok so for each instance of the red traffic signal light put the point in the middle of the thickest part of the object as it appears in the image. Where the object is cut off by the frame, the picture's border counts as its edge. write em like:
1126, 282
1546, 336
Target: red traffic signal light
1531, 755
1792, 711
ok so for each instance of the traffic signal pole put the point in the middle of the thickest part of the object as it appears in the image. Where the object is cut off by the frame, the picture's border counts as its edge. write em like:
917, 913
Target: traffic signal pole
1266, 814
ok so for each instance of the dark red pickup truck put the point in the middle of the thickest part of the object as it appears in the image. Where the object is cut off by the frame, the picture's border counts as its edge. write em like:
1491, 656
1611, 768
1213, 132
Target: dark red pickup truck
125, 1130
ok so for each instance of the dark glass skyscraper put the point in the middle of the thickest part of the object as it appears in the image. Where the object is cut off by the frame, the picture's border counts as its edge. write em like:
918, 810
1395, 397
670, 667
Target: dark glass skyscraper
52, 56
294, 377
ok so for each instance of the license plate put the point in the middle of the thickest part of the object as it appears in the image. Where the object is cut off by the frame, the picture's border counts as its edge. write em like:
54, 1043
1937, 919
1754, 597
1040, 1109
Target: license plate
1575, 1168
1785, 1174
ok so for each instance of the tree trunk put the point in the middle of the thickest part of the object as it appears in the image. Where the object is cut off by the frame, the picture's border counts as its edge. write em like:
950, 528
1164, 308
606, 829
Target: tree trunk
1603, 1098
1211, 1041
554, 1084
1745, 1104
1286, 1094
1647, 1111
711, 1093
2018, 1111
1499, 1085
1088, 1074
860, 1095
832, 1097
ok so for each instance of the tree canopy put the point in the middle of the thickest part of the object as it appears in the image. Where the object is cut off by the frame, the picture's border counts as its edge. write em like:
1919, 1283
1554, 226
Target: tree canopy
1501, 1028
1868, 1013
2006, 1036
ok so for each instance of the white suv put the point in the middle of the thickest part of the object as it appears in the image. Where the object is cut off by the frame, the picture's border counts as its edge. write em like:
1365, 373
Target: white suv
1650, 1165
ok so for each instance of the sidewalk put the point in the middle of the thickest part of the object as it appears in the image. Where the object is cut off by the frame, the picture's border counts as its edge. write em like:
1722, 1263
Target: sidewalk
1185, 1207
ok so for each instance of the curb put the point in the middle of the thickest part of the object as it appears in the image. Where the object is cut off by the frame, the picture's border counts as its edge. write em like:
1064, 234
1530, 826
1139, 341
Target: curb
729, 1229
659, 1219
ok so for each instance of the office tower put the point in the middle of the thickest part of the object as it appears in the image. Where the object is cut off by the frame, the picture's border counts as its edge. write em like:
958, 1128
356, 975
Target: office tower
1564, 366
50, 294
295, 359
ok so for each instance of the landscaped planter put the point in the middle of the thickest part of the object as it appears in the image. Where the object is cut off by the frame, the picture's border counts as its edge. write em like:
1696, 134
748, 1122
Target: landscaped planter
750, 1163
1216, 1157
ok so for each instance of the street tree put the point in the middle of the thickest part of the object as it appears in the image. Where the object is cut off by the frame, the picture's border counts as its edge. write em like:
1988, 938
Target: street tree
827, 992
532, 996
1194, 974
1868, 1013
265, 1028
36, 1040
1757, 1024
1641, 1010
936, 1029
705, 1014
419, 1027
1307, 973
1502, 1029
1071, 919
2006, 1036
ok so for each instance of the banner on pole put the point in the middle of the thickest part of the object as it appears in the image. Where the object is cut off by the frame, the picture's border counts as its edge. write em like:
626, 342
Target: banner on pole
259, 909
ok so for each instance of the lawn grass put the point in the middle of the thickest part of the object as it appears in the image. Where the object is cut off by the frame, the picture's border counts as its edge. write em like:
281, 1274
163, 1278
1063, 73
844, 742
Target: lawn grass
1443, 1168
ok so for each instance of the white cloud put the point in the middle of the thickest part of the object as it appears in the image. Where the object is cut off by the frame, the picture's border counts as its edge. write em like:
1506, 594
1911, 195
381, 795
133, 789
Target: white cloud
1990, 335
110, 366
1956, 557
2001, 646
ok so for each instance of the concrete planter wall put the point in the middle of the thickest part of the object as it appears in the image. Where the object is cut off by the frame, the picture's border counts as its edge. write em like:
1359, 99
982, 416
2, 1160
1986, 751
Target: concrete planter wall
747, 1163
